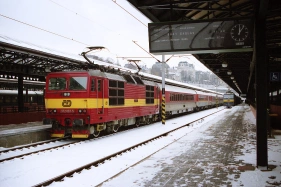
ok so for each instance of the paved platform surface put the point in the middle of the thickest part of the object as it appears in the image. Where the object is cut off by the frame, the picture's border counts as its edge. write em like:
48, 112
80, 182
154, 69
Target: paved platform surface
8, 130
208, 162
20, 134
221, 153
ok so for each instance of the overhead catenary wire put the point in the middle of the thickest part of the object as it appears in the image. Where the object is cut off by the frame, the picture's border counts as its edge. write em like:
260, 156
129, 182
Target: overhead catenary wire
44, 30
78, 14
72, 39
146, 51
138, 21
102, 25
129, 13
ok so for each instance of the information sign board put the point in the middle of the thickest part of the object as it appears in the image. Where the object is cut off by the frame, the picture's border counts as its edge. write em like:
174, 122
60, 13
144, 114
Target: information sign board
201, 36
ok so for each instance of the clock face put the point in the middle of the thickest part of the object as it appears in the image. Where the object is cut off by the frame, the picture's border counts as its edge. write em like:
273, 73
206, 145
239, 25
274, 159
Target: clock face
239, 32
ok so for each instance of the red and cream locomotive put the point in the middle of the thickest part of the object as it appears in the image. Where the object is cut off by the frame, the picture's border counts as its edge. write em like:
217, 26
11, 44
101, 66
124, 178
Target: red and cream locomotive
84, 103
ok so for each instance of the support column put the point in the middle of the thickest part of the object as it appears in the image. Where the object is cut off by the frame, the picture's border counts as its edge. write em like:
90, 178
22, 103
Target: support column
261, 84
163, 108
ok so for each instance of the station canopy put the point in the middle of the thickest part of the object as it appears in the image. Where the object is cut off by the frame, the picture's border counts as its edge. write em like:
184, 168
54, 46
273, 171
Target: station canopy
234, 66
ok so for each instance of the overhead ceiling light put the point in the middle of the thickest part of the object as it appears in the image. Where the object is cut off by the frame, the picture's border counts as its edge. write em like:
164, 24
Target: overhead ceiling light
234, 81
47, 69
229, 72
224, 64
232, 77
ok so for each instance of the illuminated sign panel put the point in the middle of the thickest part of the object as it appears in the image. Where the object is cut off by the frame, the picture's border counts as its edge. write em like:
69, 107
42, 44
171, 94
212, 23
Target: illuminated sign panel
275, 76
199, 37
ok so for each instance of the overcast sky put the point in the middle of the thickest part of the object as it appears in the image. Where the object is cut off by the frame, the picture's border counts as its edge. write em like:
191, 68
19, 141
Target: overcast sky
75, 25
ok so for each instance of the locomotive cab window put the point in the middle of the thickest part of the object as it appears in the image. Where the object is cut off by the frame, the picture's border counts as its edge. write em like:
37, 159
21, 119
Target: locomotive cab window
78, 83
57, 83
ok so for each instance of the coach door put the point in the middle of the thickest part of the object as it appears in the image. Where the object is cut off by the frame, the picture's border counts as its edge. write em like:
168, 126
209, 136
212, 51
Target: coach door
157, 97
100, 96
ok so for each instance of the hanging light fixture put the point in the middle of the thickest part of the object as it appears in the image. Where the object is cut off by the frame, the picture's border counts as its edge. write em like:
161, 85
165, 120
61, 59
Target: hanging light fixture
224, 64
232, 77
229, 72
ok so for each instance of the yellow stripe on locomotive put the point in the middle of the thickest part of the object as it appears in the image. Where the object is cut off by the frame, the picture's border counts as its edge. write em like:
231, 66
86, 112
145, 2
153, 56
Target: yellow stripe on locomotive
93, 103
228, 100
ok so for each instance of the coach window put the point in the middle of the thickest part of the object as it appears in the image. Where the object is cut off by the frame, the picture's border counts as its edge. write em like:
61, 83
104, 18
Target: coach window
78, 83
14, 99
8, 99
1, 99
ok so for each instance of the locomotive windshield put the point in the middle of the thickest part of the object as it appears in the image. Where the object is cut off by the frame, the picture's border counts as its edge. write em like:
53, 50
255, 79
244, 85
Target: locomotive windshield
78, 83
75, 83
57, 83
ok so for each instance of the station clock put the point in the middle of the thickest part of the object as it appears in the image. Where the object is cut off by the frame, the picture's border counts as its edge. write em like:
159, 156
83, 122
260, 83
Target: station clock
239, 32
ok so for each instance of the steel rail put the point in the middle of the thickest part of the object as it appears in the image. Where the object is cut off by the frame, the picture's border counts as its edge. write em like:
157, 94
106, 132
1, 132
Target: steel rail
32, 145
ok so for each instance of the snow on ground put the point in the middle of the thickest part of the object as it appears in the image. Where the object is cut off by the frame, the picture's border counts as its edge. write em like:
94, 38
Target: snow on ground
260, 176
138, 173
145, 171
39, 167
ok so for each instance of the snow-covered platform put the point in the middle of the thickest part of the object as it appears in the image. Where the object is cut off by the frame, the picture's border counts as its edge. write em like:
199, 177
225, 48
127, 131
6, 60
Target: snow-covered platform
19, 134
222, 152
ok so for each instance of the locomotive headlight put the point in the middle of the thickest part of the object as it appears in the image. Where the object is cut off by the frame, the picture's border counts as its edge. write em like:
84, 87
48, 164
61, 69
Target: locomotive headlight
55, 111
66, 94
80, 111
84, 110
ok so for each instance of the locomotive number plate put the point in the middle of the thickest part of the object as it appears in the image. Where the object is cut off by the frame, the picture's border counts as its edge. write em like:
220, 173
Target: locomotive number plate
67, 111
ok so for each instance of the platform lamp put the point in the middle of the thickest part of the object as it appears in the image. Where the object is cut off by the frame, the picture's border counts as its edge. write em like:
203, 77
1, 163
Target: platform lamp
224, 64
47, 69
229, 72
232, 77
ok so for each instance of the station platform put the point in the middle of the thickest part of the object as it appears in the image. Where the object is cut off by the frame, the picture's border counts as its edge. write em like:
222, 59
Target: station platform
222, 152
24, 133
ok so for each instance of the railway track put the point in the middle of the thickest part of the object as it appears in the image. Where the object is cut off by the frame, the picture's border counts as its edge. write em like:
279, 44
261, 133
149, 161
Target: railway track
31, 145
36, 145
99, 162
28, 148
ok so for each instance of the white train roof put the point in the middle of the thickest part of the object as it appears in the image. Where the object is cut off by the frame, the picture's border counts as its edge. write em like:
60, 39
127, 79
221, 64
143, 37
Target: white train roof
15, 92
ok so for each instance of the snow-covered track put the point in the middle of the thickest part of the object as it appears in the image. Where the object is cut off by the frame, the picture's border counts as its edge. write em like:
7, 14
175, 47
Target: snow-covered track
31, 145
97, 163
18, 151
